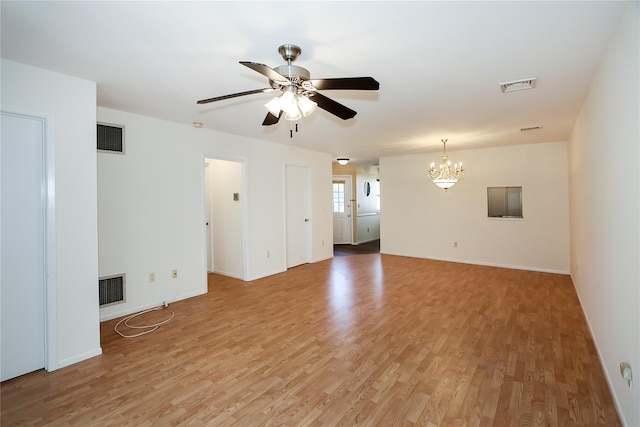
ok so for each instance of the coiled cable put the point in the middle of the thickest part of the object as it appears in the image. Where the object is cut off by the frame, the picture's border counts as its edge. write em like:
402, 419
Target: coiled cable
151, 327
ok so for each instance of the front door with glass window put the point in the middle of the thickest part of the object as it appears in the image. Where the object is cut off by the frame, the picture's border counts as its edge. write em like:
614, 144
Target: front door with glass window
342, 211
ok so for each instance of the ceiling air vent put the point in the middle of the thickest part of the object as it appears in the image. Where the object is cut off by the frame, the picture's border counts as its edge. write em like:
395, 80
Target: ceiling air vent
518, 85
530, 128
110, 138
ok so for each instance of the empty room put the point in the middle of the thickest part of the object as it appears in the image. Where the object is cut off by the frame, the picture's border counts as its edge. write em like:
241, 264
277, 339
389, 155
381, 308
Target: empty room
320, 213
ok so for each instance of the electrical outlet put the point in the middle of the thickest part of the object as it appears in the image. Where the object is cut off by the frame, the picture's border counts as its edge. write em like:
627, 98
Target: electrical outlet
174, 273
626, 373
152, 277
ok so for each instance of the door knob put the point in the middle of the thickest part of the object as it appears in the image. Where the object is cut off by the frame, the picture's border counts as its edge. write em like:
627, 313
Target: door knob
306, 220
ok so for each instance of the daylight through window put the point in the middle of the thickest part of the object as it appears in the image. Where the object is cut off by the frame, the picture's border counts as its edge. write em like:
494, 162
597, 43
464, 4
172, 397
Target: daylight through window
338, 197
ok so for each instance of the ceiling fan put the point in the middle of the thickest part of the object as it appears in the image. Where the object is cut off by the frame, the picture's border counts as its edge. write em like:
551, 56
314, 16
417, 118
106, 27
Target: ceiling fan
298, 93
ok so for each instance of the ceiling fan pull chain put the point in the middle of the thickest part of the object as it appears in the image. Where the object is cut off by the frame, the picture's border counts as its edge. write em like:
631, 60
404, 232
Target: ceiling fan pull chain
296, 127
290, 133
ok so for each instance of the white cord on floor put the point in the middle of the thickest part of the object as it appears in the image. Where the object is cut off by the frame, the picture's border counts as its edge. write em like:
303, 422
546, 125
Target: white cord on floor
154, 326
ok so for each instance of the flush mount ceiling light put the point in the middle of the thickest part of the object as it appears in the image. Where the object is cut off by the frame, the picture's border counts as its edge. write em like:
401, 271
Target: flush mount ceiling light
445, 177
518, 85
343, 161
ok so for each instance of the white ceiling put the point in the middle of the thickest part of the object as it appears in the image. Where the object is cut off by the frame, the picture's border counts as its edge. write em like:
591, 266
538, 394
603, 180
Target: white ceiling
439, 65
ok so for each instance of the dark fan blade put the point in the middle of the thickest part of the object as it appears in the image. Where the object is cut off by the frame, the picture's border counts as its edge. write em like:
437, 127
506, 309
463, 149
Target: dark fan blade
271, 119
266, 71
332, 106
234, 95
356, 83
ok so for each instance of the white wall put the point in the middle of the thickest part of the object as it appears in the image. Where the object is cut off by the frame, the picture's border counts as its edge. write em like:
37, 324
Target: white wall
71, 102
420, 220
367, 215
604, 159
152, 207
366, 204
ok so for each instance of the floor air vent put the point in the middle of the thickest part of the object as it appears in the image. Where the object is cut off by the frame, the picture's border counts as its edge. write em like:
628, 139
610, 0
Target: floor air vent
111, 289
110, 138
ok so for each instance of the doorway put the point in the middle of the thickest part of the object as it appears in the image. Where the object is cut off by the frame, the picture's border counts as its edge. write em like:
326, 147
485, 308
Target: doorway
225, 217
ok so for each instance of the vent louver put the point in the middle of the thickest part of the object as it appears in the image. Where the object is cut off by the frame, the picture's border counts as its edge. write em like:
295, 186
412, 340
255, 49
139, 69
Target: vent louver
518, 85
111, 289
110, 138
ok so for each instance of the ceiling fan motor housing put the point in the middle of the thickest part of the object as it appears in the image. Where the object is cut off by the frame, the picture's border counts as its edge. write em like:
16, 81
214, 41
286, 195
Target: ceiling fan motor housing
293, 72
296, 75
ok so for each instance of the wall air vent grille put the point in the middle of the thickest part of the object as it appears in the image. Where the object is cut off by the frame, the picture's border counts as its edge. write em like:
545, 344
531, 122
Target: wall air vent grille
111, 289
518, 85
110, 138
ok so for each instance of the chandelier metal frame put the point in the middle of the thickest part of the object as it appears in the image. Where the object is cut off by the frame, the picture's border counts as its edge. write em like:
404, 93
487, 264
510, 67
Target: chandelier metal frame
445, 177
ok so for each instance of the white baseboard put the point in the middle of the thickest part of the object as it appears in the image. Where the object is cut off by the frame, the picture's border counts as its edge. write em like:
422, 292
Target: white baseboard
487, 264
137, 309
79, 358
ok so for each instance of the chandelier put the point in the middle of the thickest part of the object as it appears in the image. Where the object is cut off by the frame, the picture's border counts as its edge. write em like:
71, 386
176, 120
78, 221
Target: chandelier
292, 103
445, 177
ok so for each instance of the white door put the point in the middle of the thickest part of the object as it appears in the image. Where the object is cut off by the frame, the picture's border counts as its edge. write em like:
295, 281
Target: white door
22, 247
342, 211
298, 219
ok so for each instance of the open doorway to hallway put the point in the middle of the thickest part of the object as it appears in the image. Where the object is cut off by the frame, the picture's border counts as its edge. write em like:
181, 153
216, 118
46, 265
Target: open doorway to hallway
356, 208
224, 228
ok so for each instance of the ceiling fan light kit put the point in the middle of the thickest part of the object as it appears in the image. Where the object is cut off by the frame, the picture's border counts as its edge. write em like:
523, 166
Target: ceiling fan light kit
298, 94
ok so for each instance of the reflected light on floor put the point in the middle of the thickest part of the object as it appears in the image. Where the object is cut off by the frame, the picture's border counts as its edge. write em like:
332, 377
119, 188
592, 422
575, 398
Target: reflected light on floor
344, 290
340, 293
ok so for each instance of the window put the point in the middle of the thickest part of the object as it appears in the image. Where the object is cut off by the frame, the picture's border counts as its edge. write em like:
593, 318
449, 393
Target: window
338, 196
504, 202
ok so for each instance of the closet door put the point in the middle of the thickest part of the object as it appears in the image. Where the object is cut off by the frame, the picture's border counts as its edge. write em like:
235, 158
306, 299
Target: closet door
22, 231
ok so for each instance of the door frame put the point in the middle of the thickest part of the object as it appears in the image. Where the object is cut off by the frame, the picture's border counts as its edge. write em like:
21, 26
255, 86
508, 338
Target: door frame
49, 206
208, 231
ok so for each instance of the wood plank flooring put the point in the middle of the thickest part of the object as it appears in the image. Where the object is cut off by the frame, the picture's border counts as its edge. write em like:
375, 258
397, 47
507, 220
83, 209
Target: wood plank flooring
366, 340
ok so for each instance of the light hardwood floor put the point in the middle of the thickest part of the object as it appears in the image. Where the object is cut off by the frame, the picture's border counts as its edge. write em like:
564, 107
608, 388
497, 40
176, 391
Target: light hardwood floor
357, 340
